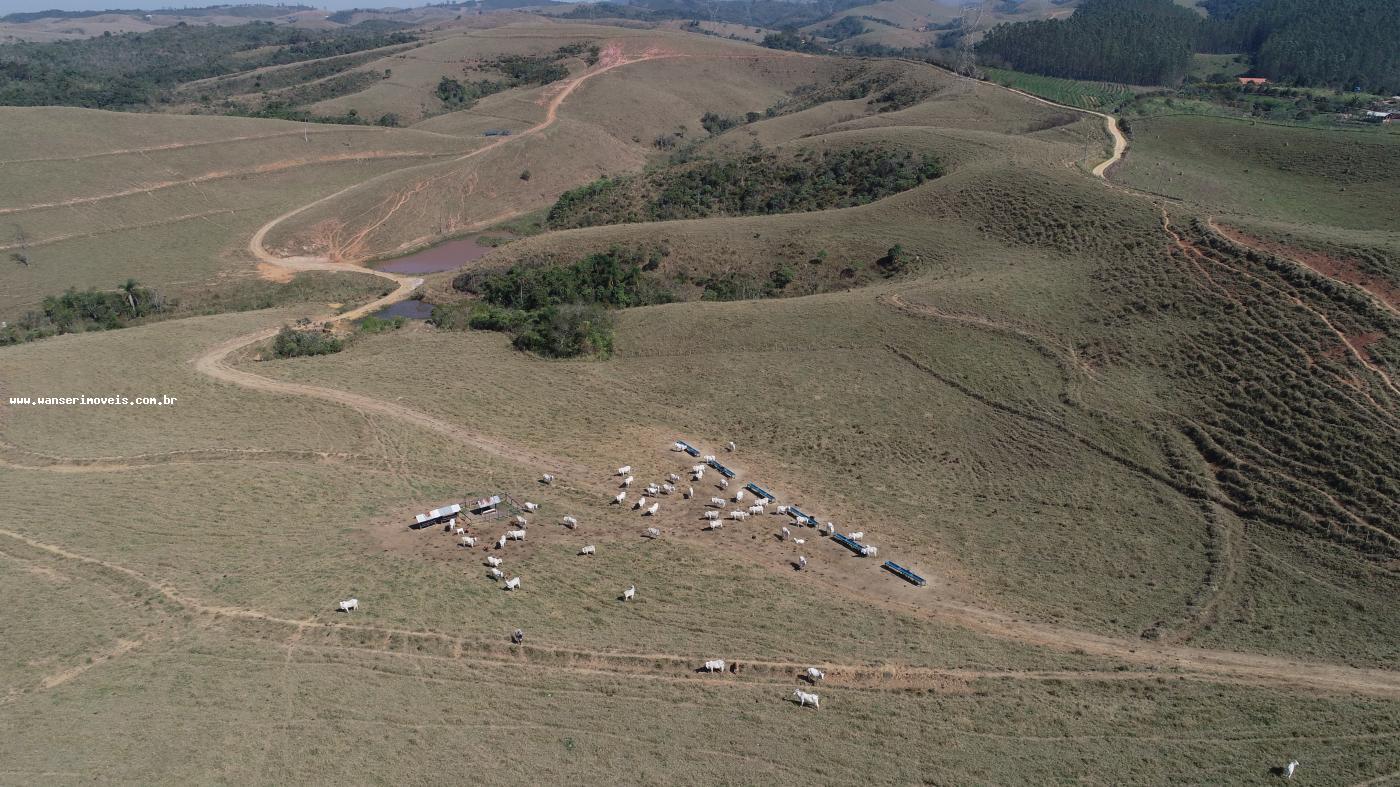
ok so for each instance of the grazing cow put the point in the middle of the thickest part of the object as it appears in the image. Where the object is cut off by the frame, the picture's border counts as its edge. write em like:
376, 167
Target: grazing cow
513, 583
697, 475
624, 470
786, 534
520, 521
461, 531
724, 483
729, 446
856, 535
652, 511
697, 468
717, 502
641, 501
707, 458
501, 544
869, 551
712, 515
667, 489
814, 674
496, 574
672, 477
715, 525
517, 636
1289, 769
515, 535
755, 509
349, 605
626, 482
716, 665
804, 699
619, 498
653, 489
652, 532
780, 510
739, 496
569, 522
532, 506
801, 562
630, 593
799, 541
493, 561
588, 550
546, 479
468, 541
830, 528
678, 446
689, 492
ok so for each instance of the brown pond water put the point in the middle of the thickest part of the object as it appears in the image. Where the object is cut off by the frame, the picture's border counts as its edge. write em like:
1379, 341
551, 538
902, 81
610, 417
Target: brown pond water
412, 309
442, 257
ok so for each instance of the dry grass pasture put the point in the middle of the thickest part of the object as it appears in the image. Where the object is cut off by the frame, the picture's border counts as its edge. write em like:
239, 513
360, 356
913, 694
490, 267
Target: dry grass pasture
1145, 459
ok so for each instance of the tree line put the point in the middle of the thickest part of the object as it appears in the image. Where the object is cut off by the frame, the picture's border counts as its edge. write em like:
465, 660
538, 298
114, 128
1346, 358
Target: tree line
1333, 43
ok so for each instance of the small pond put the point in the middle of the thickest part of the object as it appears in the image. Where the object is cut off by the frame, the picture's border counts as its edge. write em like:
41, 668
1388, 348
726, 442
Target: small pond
411, 309
442, 257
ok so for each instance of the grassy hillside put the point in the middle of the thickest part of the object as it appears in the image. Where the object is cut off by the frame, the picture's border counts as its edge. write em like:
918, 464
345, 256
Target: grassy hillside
1145, 458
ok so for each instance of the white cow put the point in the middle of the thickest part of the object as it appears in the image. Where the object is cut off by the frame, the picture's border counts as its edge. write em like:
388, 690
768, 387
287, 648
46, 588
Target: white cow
653, 489
737, 515
814, 674
799, 541
803, 699
801, 562
830, 528
641, 501
869, 550
697, 468
624, 470
630, 593
588, 550
697, 475
717, 502
729, 446
468, 541
546, 479
515, 535
786, 534
652, 532
460, 531
755, 509
712, 515
780, 510
492, 561
715, 665
569, 522
501, 544
1289, 769
672, 477
724, 483
349, 605
707, 458
856, 535
667, 489
520, 521
513, 583
652, 511
626, 482
619, 498
532, 506
715, 525
677, 447
689, 492
496, 574
739, 496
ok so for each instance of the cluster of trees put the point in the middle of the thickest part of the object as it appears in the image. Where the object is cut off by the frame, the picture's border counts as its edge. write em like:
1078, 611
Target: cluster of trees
1142, 42
1333, 43
457, 95
558, 311
758, 182
137, 69
92, 310
296, 342
519, 70
791, 40
846, 27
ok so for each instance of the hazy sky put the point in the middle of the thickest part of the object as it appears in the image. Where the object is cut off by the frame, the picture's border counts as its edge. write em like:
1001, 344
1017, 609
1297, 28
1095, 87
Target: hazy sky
11, 6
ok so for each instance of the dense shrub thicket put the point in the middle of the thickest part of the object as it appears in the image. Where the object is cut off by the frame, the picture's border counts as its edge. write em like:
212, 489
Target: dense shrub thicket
136, 69
558, 311
756, 183
296, 342
75, 312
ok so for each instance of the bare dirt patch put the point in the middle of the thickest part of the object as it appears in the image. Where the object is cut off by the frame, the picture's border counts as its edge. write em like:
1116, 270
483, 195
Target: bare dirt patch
1338, 268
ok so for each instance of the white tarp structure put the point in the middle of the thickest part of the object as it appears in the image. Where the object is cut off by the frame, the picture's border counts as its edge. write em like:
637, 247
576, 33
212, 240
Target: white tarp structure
439, 513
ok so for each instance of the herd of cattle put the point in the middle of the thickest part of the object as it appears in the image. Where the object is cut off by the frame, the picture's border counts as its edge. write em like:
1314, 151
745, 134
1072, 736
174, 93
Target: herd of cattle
649, 503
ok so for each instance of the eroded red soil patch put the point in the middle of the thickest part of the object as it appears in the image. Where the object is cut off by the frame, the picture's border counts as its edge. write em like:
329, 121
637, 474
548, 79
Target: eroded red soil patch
1338, 268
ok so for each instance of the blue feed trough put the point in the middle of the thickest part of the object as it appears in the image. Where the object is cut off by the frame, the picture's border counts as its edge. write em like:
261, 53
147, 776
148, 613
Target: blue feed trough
724, 471
849, 543
688, 448
760, 491
905, 573
802, 517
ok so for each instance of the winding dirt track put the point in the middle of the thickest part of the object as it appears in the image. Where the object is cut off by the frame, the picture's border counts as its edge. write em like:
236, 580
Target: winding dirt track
1199, 663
